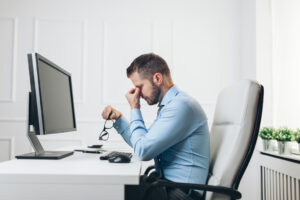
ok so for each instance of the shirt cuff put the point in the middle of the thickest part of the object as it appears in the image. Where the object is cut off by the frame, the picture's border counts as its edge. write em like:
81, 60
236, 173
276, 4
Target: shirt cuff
136, 115
121, 124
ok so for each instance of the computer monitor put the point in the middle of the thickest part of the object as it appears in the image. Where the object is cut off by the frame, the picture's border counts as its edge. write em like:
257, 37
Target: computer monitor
51, 105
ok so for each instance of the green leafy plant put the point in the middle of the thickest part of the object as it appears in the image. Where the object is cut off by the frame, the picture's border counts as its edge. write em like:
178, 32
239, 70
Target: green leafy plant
266, 133
297, 135
283, 134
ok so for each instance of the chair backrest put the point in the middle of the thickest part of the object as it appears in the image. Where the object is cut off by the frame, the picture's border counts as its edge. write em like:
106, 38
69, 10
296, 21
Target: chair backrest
233, 134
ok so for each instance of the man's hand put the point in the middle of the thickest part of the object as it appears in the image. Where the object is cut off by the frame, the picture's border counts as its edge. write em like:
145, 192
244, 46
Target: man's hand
133, 98
115, 113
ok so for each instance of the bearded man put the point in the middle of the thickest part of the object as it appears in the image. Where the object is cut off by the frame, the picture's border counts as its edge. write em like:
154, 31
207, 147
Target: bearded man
178, 139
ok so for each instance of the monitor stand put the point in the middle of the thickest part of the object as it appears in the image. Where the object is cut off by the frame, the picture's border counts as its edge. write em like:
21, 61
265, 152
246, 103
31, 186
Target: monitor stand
35, 143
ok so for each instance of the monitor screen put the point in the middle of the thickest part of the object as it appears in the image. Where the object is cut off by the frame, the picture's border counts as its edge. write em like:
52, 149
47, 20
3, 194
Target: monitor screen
56, 97
53, 96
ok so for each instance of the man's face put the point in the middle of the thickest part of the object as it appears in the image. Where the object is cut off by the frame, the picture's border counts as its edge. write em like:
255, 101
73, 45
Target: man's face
148, 90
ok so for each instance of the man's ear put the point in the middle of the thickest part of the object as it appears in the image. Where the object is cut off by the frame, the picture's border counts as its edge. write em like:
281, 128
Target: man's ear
158, 79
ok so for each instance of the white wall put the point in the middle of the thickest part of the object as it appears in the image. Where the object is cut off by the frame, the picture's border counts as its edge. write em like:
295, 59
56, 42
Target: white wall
97, 40
208, 45
277, 61
264, 71
278, 45
286, 63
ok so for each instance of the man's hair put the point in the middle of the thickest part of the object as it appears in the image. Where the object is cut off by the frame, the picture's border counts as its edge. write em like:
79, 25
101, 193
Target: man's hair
147, 65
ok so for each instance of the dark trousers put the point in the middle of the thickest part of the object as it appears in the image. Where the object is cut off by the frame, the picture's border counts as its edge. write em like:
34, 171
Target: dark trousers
138, 192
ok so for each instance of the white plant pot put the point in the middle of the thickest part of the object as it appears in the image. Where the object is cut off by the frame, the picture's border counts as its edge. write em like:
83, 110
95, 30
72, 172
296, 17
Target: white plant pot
299, 147
266, 145
273, 145
283, 147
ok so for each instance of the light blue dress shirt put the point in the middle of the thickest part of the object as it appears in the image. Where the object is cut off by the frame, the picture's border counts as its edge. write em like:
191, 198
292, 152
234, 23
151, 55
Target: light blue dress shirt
178, 140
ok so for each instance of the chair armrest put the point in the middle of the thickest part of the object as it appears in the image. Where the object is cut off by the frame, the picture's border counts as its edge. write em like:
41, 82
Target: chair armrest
149, 169
234, 194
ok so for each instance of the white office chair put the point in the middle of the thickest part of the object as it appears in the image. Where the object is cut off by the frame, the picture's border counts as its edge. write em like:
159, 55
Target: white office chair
232, 140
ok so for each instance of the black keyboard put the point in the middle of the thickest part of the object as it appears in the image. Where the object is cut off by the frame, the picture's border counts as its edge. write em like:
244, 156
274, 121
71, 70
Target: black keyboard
113, 154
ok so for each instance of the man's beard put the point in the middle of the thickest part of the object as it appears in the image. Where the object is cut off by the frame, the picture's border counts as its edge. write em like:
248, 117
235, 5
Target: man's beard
154, 98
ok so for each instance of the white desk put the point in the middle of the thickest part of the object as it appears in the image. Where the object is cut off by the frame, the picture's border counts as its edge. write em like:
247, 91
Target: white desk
81, 176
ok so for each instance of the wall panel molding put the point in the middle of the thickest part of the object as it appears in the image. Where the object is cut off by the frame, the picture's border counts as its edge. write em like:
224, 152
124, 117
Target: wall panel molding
104, 99
163, 40
104, 34
12, 97
83, 42
60, 142
172, 47
83, 64
12, 120
11, 147
23, 120
152, 29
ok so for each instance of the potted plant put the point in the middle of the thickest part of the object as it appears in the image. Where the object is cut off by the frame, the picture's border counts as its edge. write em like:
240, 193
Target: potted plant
266, 135
297, 138
283, 135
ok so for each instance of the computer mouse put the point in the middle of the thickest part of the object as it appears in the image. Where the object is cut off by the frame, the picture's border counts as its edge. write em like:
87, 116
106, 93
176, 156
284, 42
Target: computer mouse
119, 159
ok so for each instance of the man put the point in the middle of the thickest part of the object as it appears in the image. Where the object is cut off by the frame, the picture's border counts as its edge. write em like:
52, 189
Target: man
178, 140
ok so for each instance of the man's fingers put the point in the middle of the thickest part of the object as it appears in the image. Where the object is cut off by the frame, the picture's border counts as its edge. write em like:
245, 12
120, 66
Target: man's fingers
113, 115
132, 90
106, 112
110, 113
137, 91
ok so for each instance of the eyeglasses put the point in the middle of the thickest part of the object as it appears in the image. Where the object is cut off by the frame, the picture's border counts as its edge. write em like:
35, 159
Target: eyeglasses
109, 123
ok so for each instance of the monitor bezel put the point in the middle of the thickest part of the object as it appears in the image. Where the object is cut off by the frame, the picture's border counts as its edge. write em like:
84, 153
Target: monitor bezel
39, 123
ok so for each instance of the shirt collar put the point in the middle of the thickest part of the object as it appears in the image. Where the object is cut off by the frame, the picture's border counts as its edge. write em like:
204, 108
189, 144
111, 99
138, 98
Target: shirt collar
173, 91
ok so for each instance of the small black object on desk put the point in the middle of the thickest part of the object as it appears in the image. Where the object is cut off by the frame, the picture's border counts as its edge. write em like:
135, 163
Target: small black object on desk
121, 158
88, 151
117, 157
95, 146
114, 154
